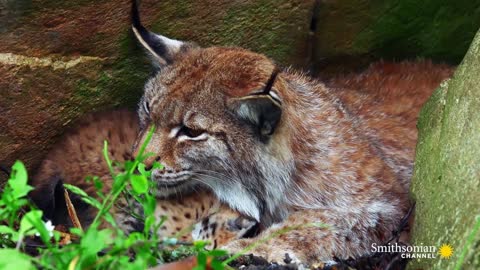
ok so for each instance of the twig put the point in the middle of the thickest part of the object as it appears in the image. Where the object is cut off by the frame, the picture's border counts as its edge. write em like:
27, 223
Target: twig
19, 242
72, 213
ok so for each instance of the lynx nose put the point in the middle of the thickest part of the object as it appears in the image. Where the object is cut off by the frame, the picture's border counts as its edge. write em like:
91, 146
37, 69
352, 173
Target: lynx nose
149, 161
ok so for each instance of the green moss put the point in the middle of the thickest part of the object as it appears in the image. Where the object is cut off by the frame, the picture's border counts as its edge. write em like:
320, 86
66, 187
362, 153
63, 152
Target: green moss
54, 4
23, 10
118, 84
339, 24
250, 25
446, 183
275, 28
129, 72
434, 29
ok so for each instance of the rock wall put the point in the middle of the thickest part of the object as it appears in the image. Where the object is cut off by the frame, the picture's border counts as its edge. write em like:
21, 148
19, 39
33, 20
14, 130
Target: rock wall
446, 182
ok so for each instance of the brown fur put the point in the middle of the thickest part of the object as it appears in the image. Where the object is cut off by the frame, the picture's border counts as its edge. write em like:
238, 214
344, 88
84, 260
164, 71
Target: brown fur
385, 100
79, 154
340, 155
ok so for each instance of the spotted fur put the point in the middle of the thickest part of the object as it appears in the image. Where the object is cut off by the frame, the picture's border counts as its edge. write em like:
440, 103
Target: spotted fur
79, 154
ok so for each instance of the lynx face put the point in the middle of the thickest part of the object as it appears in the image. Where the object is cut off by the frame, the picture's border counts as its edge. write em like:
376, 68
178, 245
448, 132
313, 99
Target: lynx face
218, 123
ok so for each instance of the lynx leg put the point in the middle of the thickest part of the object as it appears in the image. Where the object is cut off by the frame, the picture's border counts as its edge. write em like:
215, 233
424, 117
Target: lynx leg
314, 236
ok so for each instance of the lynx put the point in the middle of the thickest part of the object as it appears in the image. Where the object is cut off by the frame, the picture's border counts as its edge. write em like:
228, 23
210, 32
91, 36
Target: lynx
282, 148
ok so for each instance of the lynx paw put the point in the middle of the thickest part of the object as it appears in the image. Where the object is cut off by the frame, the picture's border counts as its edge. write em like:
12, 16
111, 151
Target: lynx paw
284, 257
271, 253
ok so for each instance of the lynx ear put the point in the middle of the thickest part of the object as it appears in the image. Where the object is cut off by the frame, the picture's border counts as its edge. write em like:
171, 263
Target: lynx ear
261, 109
161, 49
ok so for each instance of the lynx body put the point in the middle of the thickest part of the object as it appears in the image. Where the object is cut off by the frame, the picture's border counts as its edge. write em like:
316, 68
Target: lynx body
284, 149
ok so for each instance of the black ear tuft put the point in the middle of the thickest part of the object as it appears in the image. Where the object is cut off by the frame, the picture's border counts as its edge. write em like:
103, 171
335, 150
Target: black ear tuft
162, 49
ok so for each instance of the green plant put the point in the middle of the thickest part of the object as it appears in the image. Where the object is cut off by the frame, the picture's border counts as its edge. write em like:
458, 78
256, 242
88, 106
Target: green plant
204, 255
13, 204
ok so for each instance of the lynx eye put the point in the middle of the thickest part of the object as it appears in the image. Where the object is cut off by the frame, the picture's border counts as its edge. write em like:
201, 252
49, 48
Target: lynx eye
192, 133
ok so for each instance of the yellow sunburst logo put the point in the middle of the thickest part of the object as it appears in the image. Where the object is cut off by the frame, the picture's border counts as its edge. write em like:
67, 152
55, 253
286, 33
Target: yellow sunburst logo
445, 251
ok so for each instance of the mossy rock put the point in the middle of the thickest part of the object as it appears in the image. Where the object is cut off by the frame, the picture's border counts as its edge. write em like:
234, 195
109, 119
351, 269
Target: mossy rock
398, 29
446, 182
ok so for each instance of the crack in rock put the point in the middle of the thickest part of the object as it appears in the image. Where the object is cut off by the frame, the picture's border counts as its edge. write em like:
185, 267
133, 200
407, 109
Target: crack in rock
33, 62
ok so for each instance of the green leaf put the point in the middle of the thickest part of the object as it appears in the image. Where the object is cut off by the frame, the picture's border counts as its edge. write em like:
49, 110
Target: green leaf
119, 182
76, 231
107, 159
139, 183
18, 180
157, 165
216, 265
128, 165
76, 190
202, 259
110, 219
7, 230
142, 170
93, 202
149, 222
145, 142
218, 253
20, 172
132, 239
57, 235
14, 259
98, 183
149, 205
200, 245
94, 241
84, 196
31, 220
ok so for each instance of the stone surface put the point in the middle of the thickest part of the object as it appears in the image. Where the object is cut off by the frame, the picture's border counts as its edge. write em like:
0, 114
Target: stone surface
353, 32
439, 30
446, 183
